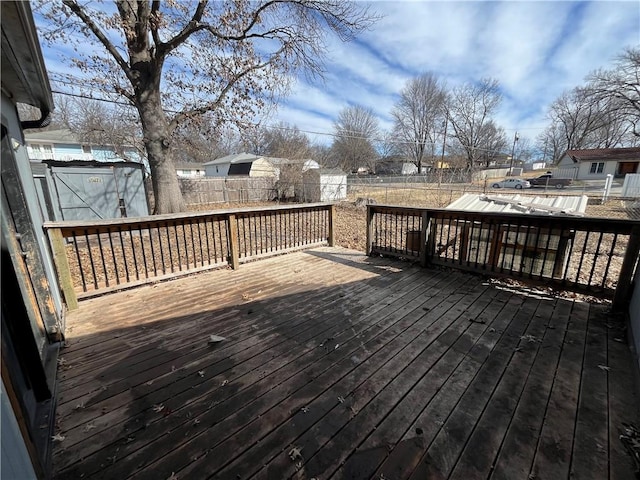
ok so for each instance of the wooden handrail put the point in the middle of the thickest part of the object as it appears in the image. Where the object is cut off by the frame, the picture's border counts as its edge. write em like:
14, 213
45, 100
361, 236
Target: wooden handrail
94, 257
597, 256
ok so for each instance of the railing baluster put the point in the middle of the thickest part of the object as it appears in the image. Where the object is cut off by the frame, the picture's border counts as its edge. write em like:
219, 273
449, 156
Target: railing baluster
611, 252
80, 269
104, 264
113, 258
93, 267
584, 249
144, 255
164, 271
178, 254
596, 254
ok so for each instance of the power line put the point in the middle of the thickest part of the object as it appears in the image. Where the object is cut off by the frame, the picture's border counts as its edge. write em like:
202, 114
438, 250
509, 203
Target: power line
277, 127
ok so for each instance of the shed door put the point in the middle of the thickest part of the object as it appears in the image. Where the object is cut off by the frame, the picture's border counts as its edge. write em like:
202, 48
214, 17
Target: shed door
132, 195
86, 193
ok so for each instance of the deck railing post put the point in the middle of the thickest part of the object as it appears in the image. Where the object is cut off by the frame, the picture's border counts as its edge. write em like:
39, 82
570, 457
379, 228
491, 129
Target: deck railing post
623, 289
233, 236
332, 230
424, 239
62, 266
370, 214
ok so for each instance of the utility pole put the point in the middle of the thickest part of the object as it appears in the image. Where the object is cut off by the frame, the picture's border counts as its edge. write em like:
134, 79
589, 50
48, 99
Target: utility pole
444, 142
513, 152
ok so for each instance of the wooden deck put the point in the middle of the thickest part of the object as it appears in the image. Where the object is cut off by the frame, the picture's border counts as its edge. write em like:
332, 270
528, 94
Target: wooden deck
337, 365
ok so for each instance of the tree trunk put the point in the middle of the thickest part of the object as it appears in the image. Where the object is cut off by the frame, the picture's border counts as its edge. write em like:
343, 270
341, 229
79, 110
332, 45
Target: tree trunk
157, 139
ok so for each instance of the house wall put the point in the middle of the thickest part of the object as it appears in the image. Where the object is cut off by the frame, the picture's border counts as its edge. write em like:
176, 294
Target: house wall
333, 187
221, 170
584, 170
262, 168
16, 462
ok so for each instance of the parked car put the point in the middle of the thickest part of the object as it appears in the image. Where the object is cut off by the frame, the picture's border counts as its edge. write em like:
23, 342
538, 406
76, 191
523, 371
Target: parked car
512, 183
548, 180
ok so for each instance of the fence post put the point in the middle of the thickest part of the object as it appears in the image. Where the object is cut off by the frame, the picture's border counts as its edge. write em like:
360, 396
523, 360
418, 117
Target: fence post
623, 289
62, 266
369, 228
332, 230
424, 237
234, 238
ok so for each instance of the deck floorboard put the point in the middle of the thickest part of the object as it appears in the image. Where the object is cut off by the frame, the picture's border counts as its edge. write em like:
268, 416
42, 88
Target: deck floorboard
337, 365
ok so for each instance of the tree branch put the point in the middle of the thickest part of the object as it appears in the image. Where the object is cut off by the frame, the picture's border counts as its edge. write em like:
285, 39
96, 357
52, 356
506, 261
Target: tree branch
78, 10
179, 117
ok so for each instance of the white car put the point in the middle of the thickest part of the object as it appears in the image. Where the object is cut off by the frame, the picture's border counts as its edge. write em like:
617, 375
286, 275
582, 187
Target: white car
512, 183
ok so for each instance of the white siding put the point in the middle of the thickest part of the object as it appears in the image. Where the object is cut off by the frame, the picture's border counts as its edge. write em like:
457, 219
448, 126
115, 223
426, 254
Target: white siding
584, 171
220, 170
631, 186
16, 462
333, 187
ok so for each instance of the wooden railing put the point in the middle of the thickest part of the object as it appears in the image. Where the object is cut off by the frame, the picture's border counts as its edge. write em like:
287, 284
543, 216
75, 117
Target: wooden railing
94, 257
588, 255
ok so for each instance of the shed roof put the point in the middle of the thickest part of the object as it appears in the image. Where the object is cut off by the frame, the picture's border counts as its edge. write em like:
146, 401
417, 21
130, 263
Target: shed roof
234, 158
560, 205
632, 153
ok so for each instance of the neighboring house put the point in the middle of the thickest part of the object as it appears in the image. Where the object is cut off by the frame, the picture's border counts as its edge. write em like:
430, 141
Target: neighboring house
64, 145
190, 170
324, 185
596, 164
32, 307
240, 164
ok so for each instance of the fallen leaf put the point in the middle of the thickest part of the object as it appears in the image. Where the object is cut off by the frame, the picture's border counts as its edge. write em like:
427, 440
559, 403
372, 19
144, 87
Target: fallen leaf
89, 426
216, 339
295, 454
158, 408
304, 409
58, 437
604, 367
201, 373
224, 383
341, 399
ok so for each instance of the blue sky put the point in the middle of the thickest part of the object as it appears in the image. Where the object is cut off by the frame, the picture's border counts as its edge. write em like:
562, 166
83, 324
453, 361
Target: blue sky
535, 49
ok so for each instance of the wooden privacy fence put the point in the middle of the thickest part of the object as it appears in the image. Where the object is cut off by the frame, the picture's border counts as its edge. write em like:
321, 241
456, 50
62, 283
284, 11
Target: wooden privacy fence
94, 257
589, 255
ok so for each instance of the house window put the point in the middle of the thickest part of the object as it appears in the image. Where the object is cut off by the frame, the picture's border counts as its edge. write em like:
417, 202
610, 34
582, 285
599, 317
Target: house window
42, 151
597, 167
86, 148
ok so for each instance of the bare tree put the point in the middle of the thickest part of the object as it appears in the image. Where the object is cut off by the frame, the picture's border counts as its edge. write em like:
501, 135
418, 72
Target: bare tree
419, 117
621, 87
470, 108
225, 60
355, 131
492, 140
286, 141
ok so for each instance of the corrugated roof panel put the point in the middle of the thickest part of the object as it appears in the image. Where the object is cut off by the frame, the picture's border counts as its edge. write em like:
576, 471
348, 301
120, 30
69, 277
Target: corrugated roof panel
557, 205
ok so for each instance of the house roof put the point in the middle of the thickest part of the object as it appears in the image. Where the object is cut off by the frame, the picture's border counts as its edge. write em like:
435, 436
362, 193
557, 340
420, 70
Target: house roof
63, 135
23, 70
631, 153
235, 158
560, 205
189, 166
